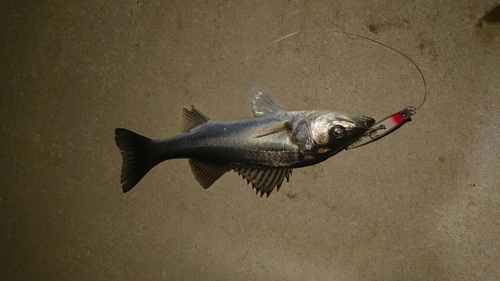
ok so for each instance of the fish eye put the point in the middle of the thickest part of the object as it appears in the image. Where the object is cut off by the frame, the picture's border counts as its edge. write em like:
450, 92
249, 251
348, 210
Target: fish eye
337, 131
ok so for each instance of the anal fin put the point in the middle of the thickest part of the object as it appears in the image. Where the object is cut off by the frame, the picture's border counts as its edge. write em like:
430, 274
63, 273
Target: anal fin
264, 180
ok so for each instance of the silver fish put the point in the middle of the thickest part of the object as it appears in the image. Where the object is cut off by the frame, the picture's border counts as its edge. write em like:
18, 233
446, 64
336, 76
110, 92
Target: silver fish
263, 150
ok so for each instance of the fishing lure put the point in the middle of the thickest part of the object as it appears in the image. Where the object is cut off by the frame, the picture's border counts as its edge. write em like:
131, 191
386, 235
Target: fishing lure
385, 127
394, 121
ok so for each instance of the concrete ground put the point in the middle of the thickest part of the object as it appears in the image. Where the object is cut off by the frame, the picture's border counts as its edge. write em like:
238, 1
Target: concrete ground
421, 204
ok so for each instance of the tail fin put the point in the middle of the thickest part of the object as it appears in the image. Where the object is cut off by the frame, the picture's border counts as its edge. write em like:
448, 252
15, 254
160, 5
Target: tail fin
137, 154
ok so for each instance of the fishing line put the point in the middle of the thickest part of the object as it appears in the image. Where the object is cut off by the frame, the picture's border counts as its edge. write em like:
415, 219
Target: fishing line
401, 53
412, 109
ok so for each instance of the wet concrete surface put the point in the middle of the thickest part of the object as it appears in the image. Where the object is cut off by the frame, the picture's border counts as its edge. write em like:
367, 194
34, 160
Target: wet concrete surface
420, 204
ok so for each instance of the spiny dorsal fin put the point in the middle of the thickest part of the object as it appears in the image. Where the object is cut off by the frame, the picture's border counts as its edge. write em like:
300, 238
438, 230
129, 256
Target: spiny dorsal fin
263, 104
264, 180
192, 118
205, 173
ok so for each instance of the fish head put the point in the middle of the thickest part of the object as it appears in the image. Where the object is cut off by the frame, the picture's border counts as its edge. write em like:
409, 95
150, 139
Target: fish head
331, 131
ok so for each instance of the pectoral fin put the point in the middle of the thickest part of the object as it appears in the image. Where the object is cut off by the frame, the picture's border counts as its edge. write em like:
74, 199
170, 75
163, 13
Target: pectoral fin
264, 180
206, 173
269, 130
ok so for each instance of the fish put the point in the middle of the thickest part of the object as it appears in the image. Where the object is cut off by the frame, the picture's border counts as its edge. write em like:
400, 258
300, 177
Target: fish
263, 149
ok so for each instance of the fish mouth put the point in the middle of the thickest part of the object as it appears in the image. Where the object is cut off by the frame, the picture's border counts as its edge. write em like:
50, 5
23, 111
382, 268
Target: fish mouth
368, 122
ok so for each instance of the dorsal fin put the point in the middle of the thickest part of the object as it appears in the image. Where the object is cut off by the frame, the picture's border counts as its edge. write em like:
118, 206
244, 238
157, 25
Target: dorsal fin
192, 118
264, 180
263, 104
206, 173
